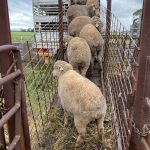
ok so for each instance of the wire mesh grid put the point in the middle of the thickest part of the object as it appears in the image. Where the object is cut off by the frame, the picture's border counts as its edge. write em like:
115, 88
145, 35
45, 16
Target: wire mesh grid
41, 88
42, 51
119, 68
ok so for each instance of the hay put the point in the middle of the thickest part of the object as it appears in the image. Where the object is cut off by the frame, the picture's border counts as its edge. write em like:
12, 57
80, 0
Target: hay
58, 137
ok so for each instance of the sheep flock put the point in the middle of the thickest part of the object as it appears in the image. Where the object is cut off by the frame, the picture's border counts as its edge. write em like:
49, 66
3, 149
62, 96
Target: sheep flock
80, 125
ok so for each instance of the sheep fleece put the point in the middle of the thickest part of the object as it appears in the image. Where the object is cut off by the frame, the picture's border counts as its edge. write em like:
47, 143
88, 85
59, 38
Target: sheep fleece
80, 96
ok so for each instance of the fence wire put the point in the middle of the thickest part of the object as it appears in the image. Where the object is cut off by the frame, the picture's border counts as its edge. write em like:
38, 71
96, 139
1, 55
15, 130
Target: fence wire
40, 54
120, 63
41, 87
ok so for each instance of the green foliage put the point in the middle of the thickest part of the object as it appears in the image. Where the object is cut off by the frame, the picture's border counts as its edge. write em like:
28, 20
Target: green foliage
137, 12
21, 36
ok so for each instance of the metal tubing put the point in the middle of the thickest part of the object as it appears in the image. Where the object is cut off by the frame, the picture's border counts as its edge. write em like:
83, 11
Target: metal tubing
5, 36
145, 144
141, 91
9, 114
18, 120
5, 48
10, 77
14, 143
23, 105
60, 3
108, 25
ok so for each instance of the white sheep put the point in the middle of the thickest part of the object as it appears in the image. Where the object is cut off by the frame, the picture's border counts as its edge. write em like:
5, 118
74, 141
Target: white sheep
95, 41
80, 10
96, 3
79, 55
78, 23
80, 2
80, 97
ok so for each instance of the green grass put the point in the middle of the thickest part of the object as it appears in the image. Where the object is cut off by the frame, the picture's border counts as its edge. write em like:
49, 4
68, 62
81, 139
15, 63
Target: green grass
21, 36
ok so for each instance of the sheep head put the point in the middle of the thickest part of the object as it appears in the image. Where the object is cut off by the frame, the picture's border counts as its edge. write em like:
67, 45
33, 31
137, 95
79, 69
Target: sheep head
61, 67
67, 39
97, 23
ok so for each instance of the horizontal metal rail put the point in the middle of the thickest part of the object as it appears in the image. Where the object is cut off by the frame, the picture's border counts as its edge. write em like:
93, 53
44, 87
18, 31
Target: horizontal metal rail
9, 114
5, 48
14, 142
10, 77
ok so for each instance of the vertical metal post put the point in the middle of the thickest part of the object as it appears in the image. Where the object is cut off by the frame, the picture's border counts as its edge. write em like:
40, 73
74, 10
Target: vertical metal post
5, 58
60, 5
142, 93
5, 36
23, 107
107, 37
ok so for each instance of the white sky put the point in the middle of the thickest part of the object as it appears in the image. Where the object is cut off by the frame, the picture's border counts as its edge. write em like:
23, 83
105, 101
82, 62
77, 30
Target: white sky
20, 12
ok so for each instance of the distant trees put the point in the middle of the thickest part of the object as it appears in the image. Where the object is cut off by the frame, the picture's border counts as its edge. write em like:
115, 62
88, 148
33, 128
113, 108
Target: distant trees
27, 30
136, 21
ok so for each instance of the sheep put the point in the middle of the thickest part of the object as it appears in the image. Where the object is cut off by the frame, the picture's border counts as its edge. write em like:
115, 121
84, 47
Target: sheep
94, 2
67, 39
79, 55
78, 23
80, 2
95, 41
91, 2
80, 10
80, 97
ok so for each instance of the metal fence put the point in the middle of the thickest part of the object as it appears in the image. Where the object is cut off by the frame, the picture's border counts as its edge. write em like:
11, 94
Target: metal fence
41, 86
120, 66
121, 61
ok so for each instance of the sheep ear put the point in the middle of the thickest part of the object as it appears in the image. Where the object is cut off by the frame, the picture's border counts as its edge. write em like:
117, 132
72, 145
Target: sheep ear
61, 69
66, 43
94, 8
97, 25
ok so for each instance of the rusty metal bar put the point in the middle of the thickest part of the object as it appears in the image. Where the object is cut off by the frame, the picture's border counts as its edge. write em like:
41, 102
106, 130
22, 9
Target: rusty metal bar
5, 36
14, 143
25, 124
108, 25
142, 90
145, 144
6, 48
10, 77
60, 5
18, 120
9, 114
5, 58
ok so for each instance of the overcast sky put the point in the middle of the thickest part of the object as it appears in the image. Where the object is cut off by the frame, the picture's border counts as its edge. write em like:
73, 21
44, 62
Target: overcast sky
20, 12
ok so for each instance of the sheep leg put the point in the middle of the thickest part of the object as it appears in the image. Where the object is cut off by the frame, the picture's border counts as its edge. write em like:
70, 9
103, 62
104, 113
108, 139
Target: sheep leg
101, 128
75, 67
81, 128
84, 70
65, 118
100, 57
92, 65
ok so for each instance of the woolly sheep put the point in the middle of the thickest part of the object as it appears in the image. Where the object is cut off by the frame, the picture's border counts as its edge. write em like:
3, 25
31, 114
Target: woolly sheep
80, 10
95, 41
78, 23
80, 97
94, 2
80, 2
67, 39
79, 55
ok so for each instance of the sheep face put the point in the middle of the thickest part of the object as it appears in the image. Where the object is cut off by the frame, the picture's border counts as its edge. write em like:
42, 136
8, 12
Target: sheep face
93, 9
97, 23
67, 39
60, 67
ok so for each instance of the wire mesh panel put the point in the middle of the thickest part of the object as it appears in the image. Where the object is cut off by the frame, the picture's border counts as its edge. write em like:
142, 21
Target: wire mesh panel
120, 62
40, 54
